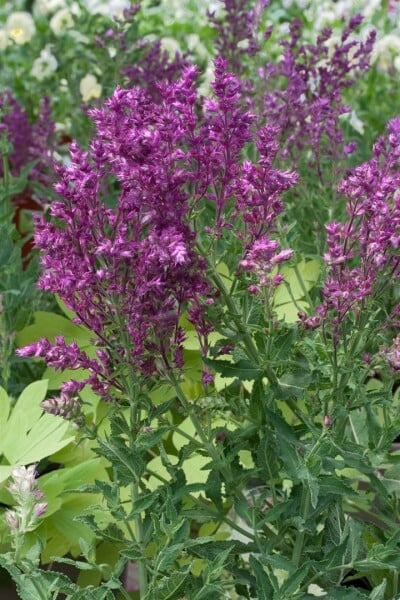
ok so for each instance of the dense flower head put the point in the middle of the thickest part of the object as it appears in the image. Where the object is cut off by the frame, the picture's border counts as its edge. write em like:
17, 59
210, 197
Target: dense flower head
152, 66
29, 142
365, 248
29, 506
237, 31
64, 406
121, 249
141, 62
307, 109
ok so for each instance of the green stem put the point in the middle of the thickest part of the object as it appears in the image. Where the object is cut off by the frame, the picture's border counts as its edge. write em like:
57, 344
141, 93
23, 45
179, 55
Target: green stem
5, 204
304, 510
395, 583
251, 348
139, 530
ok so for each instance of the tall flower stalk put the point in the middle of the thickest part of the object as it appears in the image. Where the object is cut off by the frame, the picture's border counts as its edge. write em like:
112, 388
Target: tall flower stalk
133, 244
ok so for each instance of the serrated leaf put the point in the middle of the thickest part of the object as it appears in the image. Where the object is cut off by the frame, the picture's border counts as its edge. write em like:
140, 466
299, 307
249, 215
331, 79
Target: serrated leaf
171, 588
264, 586
293, 582
144, 502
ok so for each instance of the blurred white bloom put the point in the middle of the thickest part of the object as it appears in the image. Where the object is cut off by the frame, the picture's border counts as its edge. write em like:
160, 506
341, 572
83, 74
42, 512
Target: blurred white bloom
109, 8
196, 46
75, 9
45, 65
61, 21
356, 122
20, 27
3, 39
89, 87
370, 7
45, 7
396, 63
385, 51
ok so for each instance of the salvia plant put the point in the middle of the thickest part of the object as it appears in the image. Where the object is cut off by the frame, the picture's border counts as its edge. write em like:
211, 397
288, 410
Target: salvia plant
226, 371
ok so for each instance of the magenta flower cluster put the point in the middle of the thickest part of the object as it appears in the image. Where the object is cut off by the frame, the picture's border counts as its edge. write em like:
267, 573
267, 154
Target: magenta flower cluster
308, 106
237, 33
121, 248
364, 249
29, 141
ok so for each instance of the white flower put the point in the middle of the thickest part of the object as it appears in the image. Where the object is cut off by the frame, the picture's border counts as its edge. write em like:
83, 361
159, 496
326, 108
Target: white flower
385, 50
3, 39
45, 7
354, 121
89, 87
45, 65
109, 8
20, 27
61, 21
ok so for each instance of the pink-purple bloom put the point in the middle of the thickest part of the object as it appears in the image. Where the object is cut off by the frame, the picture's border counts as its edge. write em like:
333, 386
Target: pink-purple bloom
364, 248
308, 106
27, 510
121, 249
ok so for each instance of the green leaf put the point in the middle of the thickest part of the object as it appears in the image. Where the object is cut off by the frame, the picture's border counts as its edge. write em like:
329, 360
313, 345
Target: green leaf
378, 593
245, 370
264, 587
289, 296
308, 271
52, 325
293, 582
4, 408
172, 588
30, 435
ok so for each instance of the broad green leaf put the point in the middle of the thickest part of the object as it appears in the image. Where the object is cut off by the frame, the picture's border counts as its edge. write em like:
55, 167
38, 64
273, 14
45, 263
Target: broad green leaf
60, 527
49, 325
193, 468
289, 296
30, 434
309, 274
246, 459
191, 341
56, 378
4, 408
5, 472
288, 312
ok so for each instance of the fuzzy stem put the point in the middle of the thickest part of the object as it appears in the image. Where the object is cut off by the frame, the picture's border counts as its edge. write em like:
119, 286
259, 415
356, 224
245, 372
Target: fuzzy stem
139, 531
